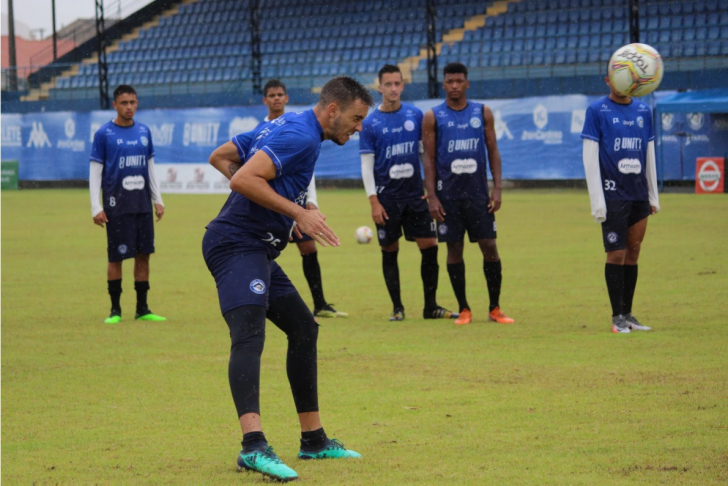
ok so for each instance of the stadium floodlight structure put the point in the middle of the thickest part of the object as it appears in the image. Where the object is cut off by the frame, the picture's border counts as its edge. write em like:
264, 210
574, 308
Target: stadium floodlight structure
634, 21
103, 66
433, 88
255, 56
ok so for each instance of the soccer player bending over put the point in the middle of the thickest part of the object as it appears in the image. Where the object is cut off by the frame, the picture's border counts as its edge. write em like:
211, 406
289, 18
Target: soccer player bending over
619, 162
122, 162
459, 139
390, 146
240, 248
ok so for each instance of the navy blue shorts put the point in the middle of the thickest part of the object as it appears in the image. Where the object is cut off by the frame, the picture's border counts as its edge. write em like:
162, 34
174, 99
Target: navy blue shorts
620, 216
469, 215
244, 274
296, 239
128, 235
412, 215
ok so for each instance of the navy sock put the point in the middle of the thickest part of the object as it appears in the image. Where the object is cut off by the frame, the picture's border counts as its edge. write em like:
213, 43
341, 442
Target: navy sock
391, 277
493, 278
254, 441
614, 275
141, 290
630, 283
314, 440
457, 279
115, 294
312, 272
430, 271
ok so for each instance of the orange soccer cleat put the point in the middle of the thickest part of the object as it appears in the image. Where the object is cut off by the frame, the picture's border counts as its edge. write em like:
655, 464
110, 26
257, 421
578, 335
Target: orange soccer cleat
465, 317
496, 315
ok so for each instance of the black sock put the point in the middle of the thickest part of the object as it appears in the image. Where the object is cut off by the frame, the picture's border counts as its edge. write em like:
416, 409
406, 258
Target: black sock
391, 277
630, 282
457, 279
614, 275
115, 294
493, 278
312, 272
313, 441
141, 290
430, 271
254, 441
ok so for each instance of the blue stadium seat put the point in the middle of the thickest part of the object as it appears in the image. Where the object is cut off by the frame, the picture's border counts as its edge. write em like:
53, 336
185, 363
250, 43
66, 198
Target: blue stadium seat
561, 43
713, 33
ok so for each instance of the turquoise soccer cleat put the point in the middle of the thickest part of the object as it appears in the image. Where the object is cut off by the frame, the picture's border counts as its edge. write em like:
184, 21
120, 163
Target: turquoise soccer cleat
333, 449
267, 463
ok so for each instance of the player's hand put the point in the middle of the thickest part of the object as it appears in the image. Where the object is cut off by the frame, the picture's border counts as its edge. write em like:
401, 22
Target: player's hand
311, 206
379, 215
159, 210
295, 232
100, 219
436, 210
495, 201
313, 223
653, 210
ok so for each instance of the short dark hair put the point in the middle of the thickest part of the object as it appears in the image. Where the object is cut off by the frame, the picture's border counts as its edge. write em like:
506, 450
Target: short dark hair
274, 83
455, 68
123, 89
388, 69
344, 91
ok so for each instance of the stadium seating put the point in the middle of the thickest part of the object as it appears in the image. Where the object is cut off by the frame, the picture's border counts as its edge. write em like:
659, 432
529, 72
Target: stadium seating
305, 43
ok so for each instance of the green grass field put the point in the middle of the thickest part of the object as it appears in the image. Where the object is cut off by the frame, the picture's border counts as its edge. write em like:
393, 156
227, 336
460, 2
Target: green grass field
554, 399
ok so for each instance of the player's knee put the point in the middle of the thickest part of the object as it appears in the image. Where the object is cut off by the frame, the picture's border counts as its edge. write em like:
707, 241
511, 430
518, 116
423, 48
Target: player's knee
247, 328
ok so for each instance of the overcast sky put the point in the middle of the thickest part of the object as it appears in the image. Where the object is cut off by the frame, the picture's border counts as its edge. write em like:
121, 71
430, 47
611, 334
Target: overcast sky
36, 14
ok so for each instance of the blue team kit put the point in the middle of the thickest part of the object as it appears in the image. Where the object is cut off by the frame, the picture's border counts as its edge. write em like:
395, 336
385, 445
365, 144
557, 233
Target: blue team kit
244, 239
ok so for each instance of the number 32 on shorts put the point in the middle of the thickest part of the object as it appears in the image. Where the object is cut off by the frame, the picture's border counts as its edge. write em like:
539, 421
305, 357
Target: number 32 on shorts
610, 185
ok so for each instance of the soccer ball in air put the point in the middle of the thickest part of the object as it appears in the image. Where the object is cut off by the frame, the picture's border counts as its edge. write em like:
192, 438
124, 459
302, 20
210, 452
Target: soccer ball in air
363, 234
635, 70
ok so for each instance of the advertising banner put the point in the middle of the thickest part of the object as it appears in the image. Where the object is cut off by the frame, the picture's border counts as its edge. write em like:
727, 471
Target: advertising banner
709, 175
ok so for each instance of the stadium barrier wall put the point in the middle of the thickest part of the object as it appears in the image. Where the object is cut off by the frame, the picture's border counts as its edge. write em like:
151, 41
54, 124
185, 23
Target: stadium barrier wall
538, 137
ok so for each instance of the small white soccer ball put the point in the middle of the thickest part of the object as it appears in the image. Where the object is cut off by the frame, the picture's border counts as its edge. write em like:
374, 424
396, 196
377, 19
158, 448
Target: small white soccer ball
363, 234
636, 70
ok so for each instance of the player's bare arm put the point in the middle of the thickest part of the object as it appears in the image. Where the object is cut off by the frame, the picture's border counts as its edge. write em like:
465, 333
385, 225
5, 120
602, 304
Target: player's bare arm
429, 141
379, 215
251, 180
226, 160
494, 159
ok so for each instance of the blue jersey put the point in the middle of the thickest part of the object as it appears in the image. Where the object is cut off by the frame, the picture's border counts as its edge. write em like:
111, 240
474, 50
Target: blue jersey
623, 133
394, 139
461, 156
293, 143
124, 152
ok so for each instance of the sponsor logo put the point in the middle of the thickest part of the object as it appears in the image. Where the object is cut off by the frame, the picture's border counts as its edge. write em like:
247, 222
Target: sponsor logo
577, 120
385, 130
122, 249
381, 234
132, 161
375, 122
629, 166
629, 123
133, 183
442, 228
640, 122
451, 124
463, 126
397, 130
200, 134
696, 121
70, 128
409, 125
467, 144
441, 113
119, 141
604, 107
643, 107
38, 137
301, 198
161, 134
144, 141
12, 136
612, 237
257, 286
133, 143
540, 116
668, 121
399, 149
238, 125
548, 137
501, 127
198, 176
700, 137
401, 171
475, 122
463, 166
615, 120
172, 175
627, 143
709, 176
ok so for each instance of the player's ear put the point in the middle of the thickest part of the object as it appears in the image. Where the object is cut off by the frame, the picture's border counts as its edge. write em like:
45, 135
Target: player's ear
333, 110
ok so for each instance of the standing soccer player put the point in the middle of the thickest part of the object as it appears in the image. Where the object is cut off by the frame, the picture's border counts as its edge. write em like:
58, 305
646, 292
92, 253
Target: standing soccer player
240, 247
390, 144
122, 162
275, 98
459, 139
619, 162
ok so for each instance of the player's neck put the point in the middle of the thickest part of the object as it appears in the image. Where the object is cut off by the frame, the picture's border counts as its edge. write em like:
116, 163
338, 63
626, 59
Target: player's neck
272, 115
620, 100
388, 106
457, 105
123, 122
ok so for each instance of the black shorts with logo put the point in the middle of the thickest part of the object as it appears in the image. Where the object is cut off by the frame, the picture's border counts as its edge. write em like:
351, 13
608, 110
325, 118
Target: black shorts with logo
411, 214
469, 215
129, 235
620, 216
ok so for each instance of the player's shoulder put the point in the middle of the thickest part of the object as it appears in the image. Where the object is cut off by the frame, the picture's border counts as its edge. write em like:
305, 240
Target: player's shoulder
105, 129
602, 105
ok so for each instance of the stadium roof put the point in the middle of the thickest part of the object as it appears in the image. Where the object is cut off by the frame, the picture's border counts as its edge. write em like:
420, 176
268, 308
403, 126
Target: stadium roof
705, 101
